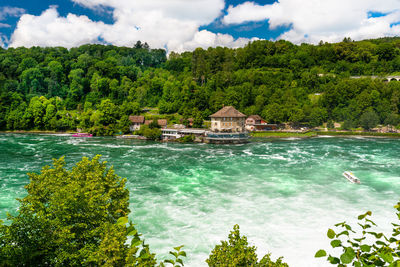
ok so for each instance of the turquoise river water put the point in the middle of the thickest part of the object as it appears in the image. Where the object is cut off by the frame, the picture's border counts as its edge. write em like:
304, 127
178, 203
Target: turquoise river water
284, 194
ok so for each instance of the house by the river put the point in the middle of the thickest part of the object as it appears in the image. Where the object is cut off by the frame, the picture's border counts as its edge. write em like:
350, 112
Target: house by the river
228, 119
136, 122
227, 126
256, 123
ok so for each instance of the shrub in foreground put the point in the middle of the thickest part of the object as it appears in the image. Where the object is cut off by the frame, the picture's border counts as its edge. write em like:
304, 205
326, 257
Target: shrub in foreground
367, 248
237, 252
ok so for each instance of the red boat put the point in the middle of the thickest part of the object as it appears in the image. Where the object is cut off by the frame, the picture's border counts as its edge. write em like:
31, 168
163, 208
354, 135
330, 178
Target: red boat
82, 135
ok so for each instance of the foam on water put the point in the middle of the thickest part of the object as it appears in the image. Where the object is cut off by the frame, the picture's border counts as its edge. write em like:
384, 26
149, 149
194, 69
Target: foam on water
284, 194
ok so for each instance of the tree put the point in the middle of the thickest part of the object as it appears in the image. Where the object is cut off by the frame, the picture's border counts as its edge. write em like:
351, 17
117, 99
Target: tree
367, 248
237, 252
392, 120
369, 120
74, 217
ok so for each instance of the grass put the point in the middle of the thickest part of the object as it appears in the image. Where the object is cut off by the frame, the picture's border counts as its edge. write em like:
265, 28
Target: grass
282, 134
359, 134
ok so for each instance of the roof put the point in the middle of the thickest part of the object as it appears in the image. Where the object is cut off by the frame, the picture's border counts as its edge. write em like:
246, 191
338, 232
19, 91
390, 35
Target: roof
136, 119
162, 122
228, 111
255, 117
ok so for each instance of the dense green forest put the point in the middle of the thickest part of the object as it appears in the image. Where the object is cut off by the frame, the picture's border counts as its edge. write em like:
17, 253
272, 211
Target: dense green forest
96, 87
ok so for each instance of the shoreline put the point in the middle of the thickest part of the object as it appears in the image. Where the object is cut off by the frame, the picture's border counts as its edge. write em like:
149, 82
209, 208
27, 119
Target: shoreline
254, 135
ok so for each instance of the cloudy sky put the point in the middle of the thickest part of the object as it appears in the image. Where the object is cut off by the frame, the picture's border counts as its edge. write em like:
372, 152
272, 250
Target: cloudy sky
180, 25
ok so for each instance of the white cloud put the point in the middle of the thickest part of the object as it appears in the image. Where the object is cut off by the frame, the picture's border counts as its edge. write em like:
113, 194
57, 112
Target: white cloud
328, 20
49, 29
4, 25
8, 11
172, 24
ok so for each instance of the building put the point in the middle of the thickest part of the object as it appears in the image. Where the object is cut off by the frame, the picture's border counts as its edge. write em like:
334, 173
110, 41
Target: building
137, 122
256, 123
228, 119
254, 119
172, 134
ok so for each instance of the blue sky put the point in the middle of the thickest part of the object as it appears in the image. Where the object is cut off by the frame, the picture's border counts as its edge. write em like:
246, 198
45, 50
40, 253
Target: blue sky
181, 25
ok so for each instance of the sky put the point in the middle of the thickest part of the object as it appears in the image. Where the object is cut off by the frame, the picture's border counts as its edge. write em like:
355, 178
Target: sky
183, 25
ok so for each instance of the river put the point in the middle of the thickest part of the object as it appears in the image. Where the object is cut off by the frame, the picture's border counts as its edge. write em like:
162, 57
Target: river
284, 193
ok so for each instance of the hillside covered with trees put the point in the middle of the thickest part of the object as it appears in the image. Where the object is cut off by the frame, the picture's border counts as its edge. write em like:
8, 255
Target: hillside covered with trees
96, 87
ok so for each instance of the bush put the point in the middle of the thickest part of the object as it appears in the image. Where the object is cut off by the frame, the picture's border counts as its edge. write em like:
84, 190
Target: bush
368, 248
187, 139
237, 252
150, 133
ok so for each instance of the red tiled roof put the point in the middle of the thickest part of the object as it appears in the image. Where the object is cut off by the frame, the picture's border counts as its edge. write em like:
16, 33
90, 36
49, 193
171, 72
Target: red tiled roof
136, 119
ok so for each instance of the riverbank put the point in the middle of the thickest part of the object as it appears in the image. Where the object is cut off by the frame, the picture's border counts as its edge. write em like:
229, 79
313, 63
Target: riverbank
363, 134
35, 132
308, 134
311, 134
283, 134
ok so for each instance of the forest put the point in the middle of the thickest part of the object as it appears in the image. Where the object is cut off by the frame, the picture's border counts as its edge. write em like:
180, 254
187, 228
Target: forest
97, 87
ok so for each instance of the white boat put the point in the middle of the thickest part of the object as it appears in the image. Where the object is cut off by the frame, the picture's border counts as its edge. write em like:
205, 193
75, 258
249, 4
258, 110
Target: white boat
351, 177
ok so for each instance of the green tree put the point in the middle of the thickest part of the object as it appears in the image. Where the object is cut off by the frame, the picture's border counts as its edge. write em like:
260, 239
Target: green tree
237, 252
75, 217
369, 120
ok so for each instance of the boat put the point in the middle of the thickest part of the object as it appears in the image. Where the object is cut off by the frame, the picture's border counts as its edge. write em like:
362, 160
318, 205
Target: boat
82, 135
351, 177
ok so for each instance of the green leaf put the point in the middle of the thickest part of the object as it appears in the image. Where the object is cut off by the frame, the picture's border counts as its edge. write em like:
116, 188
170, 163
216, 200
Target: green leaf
178, 248
361, 216
357, 264
132, 233
136, 243
169, 261
320, 253
331, 234
348, 256
122, 221
333, 260
336, 243
386, 257
365, 248
174, 253
182, 253
343, 233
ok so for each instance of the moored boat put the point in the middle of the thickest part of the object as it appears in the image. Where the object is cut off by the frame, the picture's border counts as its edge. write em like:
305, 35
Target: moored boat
351, 177
82, 135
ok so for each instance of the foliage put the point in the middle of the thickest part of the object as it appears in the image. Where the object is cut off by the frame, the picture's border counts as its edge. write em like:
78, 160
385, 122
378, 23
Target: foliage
74, 217
177, 260
237, 252
369, 120
150, 133
94, 86
187, 139
369, 248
